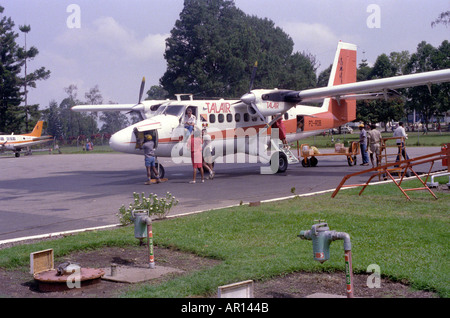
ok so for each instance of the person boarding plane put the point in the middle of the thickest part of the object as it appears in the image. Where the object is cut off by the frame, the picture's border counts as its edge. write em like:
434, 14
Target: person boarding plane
242, 126
16, 143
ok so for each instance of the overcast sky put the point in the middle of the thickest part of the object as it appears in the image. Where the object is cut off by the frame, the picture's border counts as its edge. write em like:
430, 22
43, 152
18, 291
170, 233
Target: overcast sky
113, 44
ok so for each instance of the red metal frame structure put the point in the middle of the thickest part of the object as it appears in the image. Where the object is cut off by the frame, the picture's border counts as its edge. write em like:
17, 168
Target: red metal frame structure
404, 166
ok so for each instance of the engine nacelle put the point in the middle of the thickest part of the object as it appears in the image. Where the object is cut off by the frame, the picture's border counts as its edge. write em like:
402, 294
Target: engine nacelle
268, 102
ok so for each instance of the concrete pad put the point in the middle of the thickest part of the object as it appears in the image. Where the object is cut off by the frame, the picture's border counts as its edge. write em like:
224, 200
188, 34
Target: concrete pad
128, 274
323, 295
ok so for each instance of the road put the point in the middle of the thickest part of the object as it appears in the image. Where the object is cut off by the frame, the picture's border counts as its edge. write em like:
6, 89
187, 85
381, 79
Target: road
42, 194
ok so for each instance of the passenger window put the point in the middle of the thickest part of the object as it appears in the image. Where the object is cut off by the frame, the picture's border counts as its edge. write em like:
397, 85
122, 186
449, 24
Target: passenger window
246, 117
229, 118
212, 118
220, 118
237, 117
286, 116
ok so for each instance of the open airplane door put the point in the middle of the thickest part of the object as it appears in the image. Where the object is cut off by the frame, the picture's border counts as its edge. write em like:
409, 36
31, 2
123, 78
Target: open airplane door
140, 133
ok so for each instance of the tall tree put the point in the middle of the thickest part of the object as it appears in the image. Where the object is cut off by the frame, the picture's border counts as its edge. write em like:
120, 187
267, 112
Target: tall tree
435, 99
372, 111
214, 45
12, 59
10, 66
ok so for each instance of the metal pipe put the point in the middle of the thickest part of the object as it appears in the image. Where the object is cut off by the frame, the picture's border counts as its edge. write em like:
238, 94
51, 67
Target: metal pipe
322, 237
151, 257
348, 260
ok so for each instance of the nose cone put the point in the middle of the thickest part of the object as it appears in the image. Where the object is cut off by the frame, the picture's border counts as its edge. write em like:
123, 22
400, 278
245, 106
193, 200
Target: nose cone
121, 140
248, 98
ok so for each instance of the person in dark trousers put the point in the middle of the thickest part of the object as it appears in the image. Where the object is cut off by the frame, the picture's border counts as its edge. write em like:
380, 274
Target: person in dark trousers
150, 162
363, 145
402, 136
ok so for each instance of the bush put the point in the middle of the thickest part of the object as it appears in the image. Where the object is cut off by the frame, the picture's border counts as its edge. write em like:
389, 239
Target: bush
152, 204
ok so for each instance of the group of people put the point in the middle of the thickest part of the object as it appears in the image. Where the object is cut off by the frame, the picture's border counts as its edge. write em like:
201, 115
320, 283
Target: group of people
199, 144
370, 143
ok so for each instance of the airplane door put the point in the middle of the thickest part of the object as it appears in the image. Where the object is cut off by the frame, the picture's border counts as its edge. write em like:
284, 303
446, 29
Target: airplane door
141, 135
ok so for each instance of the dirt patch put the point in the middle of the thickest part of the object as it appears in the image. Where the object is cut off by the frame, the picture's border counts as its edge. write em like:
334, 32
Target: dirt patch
20, 284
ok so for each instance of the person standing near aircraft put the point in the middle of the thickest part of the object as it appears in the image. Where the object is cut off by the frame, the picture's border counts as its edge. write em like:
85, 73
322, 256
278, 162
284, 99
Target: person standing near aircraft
374, 139
401, 134
189, 121
281, 132
363, 145
195, 144
207, 153
150, 163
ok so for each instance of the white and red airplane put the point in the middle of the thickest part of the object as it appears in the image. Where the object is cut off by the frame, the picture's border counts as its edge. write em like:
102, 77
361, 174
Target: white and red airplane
16, 143
243, 126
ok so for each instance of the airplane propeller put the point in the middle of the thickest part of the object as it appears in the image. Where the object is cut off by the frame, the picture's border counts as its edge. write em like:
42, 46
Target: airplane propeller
139, 106
249, 98
141, 92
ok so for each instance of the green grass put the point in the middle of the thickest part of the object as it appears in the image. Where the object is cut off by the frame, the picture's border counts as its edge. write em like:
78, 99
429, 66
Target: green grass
408, 240
414, 139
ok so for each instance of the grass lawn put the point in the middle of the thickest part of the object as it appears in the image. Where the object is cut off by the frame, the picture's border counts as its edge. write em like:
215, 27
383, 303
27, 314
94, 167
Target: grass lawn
414, 139
408, 240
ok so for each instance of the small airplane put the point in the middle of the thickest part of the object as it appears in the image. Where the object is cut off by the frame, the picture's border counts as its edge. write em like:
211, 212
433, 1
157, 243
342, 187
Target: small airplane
244, 126
16, 143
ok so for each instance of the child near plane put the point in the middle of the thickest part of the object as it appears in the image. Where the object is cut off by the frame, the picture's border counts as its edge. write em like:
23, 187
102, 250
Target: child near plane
207, 153
195, 146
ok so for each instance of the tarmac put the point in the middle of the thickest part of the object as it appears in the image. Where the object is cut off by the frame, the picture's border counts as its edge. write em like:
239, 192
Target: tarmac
43, 195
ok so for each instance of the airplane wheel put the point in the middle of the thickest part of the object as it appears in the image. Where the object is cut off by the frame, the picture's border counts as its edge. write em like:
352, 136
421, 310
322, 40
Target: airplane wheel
160, 168
17, 155
306, 162
313, 161
282, 162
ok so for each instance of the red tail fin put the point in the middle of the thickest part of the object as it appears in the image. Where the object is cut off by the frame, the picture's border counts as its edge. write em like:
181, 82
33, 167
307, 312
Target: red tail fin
343, 72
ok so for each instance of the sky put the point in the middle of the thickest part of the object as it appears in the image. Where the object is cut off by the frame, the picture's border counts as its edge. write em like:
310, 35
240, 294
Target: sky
114, 44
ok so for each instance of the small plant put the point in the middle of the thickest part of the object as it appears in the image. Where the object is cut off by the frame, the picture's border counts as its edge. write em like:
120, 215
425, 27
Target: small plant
153, 204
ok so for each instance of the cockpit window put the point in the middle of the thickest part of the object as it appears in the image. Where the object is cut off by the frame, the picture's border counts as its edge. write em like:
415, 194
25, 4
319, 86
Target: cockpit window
175, 110
160, 109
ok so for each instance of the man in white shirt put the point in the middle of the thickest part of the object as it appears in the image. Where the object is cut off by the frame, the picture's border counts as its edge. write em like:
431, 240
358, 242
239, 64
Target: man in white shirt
189, 121
400, 132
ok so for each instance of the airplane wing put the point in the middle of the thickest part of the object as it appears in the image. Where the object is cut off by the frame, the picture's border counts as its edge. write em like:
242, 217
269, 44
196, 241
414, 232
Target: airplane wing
380, 86
102, 108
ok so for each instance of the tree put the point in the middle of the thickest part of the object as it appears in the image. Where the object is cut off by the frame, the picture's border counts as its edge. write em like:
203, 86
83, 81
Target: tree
12, 59
443, 18
113, 122
214, 45
435, 99
373, 111
157, 92
10, 95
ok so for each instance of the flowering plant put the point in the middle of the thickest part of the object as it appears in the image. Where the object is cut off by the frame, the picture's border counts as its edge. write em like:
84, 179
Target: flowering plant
154, 205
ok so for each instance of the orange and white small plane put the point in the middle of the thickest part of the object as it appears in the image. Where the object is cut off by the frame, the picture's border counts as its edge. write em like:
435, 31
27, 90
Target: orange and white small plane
243, 126
16, 143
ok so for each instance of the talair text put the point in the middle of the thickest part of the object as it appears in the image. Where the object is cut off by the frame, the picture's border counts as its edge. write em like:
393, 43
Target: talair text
216, 108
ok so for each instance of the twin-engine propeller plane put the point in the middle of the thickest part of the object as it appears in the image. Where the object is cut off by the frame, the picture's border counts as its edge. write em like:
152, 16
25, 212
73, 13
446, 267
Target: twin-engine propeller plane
16, 143
242, 126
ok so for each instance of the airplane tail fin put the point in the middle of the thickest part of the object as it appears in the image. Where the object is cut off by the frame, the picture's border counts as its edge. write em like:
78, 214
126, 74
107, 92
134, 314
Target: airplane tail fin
343, 71
37, 131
